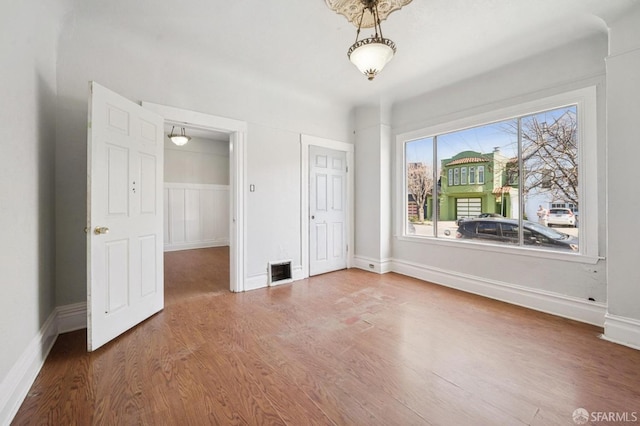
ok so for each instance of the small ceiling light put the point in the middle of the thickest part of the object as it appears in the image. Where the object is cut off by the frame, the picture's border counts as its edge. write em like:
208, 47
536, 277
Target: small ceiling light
370, 54
180, 139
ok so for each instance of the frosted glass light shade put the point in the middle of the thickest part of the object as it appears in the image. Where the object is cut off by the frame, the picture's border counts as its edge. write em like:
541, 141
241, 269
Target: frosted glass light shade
179, 139
370, 55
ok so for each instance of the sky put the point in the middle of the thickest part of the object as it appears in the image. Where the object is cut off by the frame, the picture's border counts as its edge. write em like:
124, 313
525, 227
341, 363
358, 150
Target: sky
482, 139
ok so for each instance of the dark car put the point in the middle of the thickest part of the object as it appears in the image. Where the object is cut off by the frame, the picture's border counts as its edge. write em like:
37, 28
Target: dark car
502, 230
481, 215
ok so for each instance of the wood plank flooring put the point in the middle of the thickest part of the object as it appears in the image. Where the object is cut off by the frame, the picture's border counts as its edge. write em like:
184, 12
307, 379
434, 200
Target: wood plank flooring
346, 348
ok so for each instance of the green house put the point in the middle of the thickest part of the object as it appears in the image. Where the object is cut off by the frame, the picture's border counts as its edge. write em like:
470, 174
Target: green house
472, 183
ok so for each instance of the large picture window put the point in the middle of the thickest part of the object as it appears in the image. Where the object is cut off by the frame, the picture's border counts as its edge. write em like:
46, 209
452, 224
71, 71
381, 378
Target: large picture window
496, 183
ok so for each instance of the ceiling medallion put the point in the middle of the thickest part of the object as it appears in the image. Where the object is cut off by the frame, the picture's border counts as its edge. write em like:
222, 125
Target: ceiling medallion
352, 9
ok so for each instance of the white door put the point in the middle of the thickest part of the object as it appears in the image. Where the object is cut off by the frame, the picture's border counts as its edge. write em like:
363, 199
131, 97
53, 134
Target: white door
327, 210
124, 231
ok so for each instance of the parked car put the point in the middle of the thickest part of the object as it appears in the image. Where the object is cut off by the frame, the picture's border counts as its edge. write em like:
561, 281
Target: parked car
481, 215
561, 217
502, 230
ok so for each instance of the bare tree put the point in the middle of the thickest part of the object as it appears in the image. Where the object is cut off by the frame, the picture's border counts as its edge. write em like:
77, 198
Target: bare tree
420, 185
550, 156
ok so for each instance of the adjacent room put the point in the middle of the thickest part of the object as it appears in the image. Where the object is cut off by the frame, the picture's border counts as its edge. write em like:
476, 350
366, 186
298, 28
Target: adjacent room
323, 212
196, 212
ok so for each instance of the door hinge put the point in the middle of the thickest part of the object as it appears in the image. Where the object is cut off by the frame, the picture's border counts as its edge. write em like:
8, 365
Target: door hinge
347, 248
347, 169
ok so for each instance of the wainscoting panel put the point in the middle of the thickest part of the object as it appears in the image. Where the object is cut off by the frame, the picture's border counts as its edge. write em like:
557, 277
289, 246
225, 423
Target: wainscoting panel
196, 216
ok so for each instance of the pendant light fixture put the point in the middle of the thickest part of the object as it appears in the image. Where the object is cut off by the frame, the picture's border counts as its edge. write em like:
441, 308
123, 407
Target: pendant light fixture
370, 54
180, 139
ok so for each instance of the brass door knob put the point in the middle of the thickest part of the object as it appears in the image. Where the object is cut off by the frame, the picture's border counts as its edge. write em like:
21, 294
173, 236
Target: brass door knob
101, 230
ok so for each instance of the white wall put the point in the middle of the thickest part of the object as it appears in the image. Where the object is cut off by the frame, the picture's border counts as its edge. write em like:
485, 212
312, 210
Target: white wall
274, 228
199, 161
373, 188
196, 194
195, 216
141, 69
496, 274
623, 114
28, 33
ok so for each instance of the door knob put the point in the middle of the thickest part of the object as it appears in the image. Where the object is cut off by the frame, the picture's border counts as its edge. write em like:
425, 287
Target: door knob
313, 217
101, 230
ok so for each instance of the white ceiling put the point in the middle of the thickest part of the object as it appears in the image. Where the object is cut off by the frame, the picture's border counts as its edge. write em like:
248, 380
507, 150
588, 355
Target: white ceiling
301, 44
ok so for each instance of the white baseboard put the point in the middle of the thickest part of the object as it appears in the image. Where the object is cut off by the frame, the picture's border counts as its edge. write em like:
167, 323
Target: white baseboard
195, 245
380, 266
16, 384
622, 330
255, 282
539, 300
72, 317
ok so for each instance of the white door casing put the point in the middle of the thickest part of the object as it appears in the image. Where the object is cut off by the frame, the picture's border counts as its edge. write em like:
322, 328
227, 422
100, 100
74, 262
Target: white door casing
125, 228
237, 131
327, 210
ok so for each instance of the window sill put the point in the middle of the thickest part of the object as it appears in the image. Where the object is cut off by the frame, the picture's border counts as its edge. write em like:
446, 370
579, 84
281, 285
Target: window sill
509, 250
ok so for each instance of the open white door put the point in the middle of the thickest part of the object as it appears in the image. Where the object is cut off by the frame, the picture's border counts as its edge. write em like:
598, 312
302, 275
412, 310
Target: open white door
124, 231
327, 210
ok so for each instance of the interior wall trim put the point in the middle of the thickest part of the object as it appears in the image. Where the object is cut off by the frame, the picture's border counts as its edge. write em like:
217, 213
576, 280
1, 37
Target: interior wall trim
72, 317
622, 330
540, 300
20, 378
380, 266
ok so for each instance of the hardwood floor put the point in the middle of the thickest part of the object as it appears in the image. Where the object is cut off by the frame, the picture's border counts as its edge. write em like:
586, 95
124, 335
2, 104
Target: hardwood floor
346, 348
192, 273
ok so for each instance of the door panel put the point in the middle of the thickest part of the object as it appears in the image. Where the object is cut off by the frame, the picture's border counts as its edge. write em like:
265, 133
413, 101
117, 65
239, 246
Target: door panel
125, 227
337, 192
148, 190
327, 213
118, 176
117, 279
321, 192
148, 267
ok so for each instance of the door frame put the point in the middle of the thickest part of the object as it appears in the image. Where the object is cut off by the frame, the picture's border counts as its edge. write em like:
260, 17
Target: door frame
237, 131
305, 142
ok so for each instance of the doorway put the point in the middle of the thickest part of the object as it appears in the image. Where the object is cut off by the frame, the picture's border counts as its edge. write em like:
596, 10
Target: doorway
327, 210
235, 131
346, 152
196, 213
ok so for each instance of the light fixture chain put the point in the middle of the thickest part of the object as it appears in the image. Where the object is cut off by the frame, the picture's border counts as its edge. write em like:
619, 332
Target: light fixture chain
376, 17
360, 23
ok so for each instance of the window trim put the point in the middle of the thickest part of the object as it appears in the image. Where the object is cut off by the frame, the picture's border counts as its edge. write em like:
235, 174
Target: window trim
481, 174
586, 101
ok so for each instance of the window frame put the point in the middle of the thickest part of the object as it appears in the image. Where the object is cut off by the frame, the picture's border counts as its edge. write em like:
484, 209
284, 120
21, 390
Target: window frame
586, 101
480, 175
